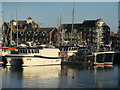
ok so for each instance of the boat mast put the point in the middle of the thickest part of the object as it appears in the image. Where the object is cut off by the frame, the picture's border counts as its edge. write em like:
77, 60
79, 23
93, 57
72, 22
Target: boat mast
2, 26
98, 37
3, 34
72, 25
11, 31
17, 24
59, 29
2, 21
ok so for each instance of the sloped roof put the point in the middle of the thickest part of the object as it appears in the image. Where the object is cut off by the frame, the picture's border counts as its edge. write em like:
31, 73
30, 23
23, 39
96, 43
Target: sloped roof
89, 23
105, 25
19, 21
7, 23
22, 22
30, 29
34, 23
112, 34
46, 29
29, 18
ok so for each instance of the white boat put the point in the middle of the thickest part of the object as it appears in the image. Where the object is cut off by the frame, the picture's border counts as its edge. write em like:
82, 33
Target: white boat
0, 52
104, 58
28, 56
4, 51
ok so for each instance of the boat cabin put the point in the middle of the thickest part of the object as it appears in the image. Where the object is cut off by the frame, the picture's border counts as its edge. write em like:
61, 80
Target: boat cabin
68, 48
27, 50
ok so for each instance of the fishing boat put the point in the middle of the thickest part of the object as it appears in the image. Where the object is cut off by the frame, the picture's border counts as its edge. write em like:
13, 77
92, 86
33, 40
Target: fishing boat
29, 56
4, 51
104, 58
0, 51
67, 51
67, 47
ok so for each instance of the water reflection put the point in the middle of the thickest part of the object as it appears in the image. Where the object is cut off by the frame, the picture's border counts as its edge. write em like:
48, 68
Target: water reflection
118, 76
57, 76
106, 77
12, 77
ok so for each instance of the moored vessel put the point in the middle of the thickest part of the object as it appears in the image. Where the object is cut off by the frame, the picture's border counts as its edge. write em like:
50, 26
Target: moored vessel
28, 56
104, 58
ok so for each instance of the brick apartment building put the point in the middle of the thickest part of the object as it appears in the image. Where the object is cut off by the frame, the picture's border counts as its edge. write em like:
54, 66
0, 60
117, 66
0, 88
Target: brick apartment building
90, 32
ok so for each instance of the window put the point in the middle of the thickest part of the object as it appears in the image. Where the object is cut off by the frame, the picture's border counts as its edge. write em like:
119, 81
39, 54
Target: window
84, 34
90, 35
90, 29
25, 51
21, 51
69, 49
29, 51
32, 51
35, 51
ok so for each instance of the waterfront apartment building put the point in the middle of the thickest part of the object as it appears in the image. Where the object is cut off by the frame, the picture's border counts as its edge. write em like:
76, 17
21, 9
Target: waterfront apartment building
66, 34
113, 39
118, 32
41, 35
27, 31
90, 32
118, 38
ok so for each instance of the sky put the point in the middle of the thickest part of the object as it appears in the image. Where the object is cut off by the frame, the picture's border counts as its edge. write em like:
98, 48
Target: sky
47, 14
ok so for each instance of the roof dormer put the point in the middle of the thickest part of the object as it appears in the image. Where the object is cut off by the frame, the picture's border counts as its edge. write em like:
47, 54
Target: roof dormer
29, 20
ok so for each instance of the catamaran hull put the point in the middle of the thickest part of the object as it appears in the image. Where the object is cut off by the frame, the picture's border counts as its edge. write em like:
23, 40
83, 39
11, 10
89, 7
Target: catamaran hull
105, 63
104, 58
31, 61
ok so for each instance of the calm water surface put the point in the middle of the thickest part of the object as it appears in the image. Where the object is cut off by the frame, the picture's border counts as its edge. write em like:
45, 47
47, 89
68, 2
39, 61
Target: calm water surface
58, 76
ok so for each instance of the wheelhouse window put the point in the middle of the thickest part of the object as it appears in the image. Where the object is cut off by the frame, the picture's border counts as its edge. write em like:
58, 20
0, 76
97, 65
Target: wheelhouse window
36, 51
32, 51
25, 51
29, 51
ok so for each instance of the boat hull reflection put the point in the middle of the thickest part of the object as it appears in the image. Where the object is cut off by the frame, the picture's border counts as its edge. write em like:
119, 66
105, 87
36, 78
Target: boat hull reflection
60, 76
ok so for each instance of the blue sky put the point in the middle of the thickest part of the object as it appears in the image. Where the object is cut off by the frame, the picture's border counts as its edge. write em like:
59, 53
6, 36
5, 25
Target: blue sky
47, 13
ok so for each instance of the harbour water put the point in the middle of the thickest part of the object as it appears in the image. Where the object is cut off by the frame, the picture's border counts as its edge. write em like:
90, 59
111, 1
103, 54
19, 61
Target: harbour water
61, 76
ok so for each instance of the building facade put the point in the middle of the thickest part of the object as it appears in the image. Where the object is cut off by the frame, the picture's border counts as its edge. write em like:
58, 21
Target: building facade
27, 31
118, 32
113, 39
90, 32
41, 35
118, 38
